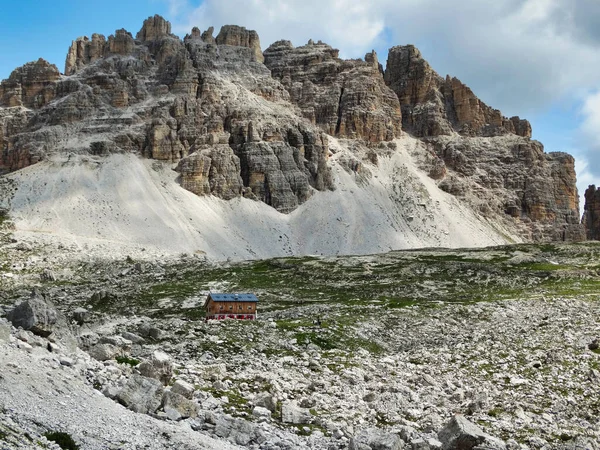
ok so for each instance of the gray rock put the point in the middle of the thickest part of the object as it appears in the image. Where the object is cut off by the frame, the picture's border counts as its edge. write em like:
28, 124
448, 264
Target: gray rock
24, 346
104, 352
134, 338
4, 331
375, 439
238, 431
266, 400
80, 315
151, 332
39, 315
111, 391
48, 275
36, 314
65, 361
178, 407
261, 413
460, 434
88, 340
159, 367
141, 394
292, 413
183, 388
117, 341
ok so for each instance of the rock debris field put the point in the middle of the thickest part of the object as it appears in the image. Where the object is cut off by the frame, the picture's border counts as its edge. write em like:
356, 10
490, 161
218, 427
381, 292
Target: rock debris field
493, 348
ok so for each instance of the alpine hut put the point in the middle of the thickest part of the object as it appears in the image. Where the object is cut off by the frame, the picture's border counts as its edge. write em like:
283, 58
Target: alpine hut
230, 306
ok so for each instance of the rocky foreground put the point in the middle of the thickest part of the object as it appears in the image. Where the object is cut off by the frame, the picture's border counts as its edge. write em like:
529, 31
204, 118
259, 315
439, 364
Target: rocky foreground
491, 348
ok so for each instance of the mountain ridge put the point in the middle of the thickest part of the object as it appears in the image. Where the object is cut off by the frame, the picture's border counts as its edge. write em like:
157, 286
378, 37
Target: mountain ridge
238, 122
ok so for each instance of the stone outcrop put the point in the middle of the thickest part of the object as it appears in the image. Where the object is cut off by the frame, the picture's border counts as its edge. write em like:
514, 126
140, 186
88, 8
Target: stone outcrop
158, 367
514, 175
461, 434
31, 85
238, 37
346, 98
212, 170
39, 315
591, 213
84, 51
432, 105
153, 29
36, 314
141, 394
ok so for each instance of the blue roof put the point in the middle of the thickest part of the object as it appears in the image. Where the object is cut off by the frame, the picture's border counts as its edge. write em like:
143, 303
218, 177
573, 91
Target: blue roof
233, 297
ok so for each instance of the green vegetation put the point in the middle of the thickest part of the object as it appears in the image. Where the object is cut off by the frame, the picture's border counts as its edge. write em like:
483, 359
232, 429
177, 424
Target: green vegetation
64, 440
394, 280
127, 360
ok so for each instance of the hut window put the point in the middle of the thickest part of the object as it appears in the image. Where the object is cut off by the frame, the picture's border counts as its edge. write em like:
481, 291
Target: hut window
230, 307
220, 307
240, 307
249, 307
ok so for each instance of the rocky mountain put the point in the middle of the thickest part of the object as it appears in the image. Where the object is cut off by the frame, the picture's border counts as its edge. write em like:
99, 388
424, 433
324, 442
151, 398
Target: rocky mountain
274, 127
591, 214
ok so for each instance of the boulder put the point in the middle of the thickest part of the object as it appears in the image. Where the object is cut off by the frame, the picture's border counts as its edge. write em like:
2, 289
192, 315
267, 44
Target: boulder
375, 439
159, 367
141, 394
36, 314
183, 388
48, 275
177, 407
40, 316
80, 315
292, 413
104, 352
261, 413
266, 400
238, 431
460, 434
134, 338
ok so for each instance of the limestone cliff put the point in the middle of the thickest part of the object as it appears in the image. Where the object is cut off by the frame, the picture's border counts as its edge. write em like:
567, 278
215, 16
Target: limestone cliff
234, 121
432, 105
591, 214
209, 104
482, 156
346, 98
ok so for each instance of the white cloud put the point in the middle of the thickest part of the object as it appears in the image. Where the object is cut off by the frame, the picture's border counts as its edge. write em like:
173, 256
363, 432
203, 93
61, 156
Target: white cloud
518, 55
589, 139
345, 23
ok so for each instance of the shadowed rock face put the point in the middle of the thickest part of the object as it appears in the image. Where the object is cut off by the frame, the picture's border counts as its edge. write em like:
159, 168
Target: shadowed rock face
346, 98
591, 214
237, 122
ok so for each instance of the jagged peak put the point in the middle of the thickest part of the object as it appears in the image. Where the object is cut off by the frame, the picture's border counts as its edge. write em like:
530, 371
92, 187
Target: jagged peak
154, 28
451, 104
241, 37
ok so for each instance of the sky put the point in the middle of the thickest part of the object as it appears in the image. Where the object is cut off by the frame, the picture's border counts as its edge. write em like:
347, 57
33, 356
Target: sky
538, 59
